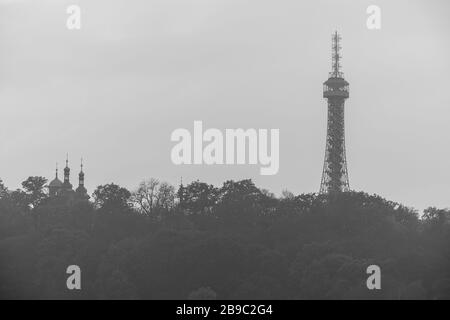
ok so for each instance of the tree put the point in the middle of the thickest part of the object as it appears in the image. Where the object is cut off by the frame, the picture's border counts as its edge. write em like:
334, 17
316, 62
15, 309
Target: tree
153, 197
34, 190
111, 196
3, 190
165, 196
181, 195
57, 250
145, 197
434, 215
288, 195
18, 199
200, 197
240, 198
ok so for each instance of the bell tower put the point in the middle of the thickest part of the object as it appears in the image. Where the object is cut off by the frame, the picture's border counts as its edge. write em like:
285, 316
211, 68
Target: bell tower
67, 186
81, 190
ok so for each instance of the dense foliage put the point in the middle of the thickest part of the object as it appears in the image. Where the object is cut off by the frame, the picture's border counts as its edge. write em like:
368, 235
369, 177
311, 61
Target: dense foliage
232, 242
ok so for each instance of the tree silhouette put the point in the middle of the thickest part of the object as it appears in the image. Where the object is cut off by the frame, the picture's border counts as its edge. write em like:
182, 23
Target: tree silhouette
236, 241
111, 196
34, 190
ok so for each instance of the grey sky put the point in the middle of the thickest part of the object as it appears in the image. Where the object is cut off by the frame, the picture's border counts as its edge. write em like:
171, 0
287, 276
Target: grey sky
114, 91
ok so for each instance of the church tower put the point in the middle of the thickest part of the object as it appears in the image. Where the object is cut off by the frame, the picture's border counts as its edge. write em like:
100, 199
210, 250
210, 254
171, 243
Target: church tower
67, 186
81, 190
55, 185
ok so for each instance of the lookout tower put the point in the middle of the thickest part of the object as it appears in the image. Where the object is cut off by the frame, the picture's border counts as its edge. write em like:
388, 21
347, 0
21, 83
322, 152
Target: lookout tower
336, 91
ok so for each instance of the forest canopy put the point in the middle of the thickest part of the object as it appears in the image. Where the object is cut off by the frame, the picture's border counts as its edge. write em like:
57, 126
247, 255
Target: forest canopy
235, 241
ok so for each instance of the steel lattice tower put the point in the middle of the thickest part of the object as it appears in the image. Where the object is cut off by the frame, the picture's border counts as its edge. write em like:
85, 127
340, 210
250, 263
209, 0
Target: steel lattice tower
335, 90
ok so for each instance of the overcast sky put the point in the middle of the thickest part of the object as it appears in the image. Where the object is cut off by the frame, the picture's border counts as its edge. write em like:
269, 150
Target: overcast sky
114, 91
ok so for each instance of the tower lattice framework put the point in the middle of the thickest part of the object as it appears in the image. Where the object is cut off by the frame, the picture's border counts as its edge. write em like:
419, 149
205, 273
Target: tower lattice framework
335, 90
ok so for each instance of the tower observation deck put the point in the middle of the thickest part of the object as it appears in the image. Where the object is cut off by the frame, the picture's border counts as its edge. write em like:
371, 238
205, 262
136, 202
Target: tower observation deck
335, 90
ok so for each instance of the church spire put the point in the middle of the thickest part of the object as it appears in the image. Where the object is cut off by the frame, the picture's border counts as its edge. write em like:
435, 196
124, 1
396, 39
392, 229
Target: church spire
81, 175
81, 190
54, 187
66, 185
67, 170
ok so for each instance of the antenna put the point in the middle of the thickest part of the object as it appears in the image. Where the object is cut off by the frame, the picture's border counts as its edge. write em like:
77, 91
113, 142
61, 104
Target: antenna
336, 56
